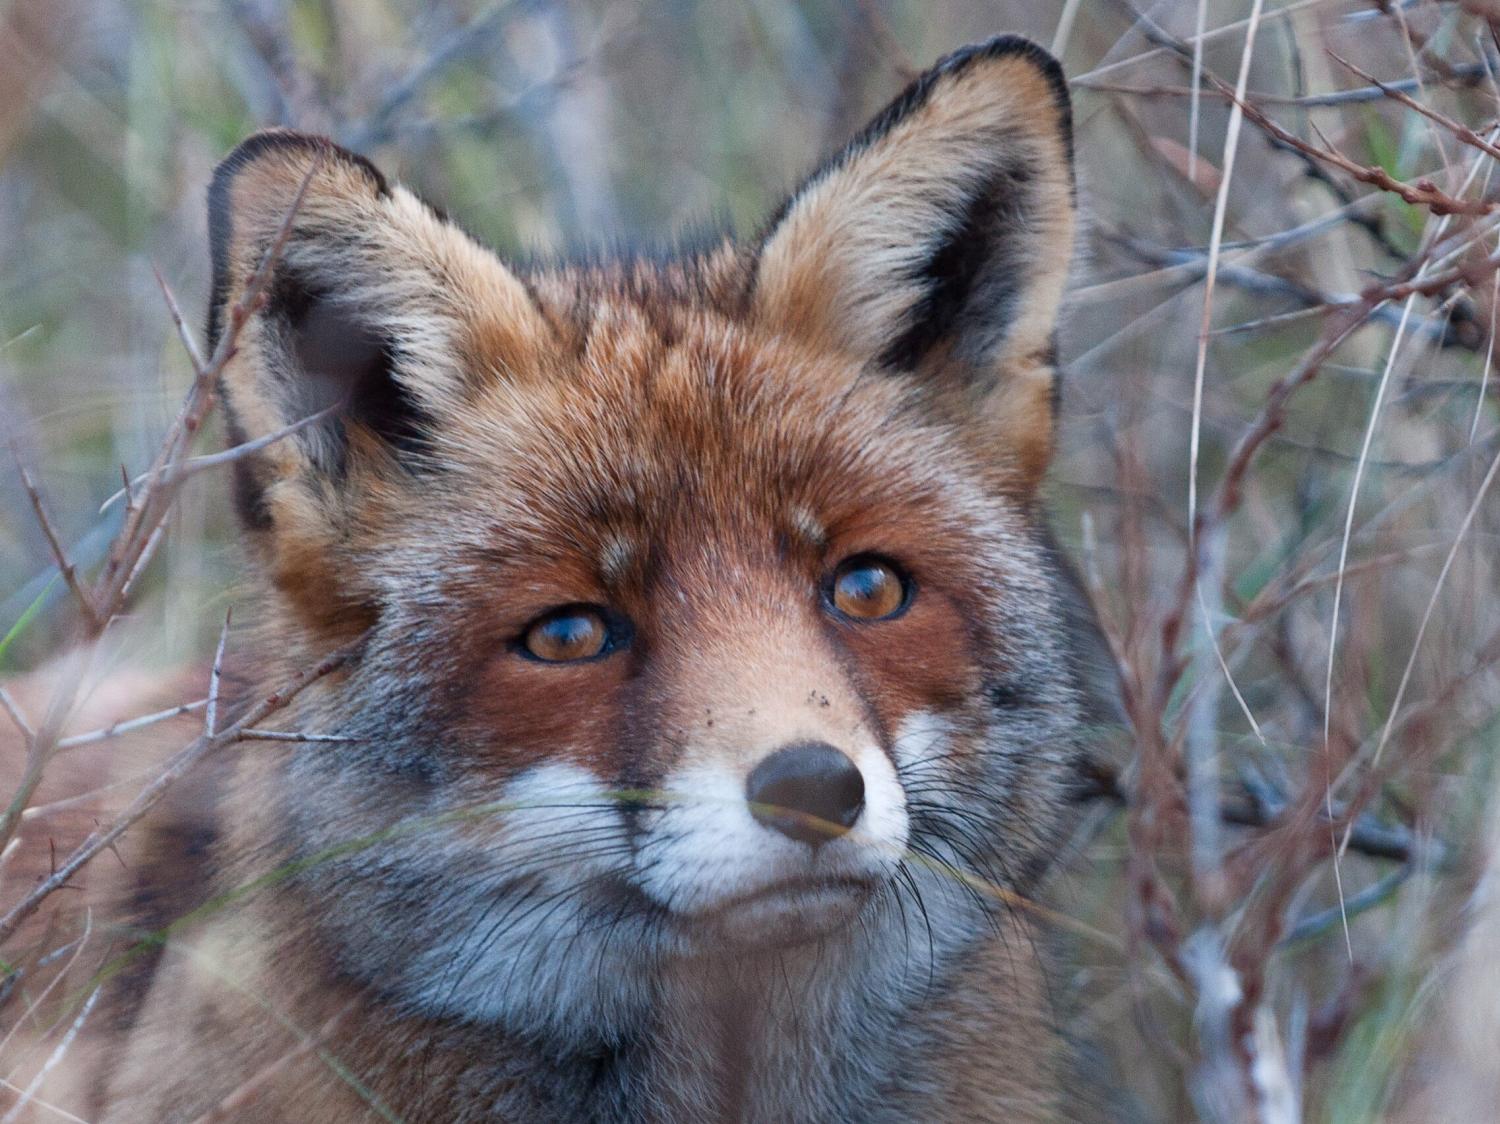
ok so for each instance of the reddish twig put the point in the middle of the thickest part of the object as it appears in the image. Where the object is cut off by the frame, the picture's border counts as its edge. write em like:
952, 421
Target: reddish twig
1459, 130
1423, 193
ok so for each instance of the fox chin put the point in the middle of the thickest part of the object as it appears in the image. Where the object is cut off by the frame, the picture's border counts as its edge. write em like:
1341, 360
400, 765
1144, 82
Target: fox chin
712, 706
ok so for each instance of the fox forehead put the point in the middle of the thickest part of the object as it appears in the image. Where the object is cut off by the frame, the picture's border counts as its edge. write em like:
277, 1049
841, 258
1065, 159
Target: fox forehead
704, 429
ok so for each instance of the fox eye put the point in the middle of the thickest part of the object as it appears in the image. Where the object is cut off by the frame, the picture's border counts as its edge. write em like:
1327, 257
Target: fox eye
576, 632
868, 588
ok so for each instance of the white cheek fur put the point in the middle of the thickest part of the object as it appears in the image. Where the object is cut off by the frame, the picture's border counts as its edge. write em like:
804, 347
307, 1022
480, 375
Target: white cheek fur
523, 937
498, 952
704, 847
920, 735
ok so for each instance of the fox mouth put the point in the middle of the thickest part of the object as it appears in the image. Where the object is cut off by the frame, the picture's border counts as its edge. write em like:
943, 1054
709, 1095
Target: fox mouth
785, 913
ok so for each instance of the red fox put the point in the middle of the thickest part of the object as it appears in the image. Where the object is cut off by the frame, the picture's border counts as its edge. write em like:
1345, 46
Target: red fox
712, 707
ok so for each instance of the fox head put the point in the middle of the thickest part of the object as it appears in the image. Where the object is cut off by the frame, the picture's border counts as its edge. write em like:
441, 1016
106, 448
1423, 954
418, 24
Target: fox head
706, 607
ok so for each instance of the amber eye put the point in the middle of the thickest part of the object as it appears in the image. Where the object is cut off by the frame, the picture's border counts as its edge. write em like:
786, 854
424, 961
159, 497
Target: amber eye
868, 588
574, 633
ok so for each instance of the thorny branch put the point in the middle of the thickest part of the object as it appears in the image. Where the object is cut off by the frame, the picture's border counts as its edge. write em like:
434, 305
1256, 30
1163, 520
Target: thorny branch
146, 513
1456, 128
151, 794
54, 543
1423, 193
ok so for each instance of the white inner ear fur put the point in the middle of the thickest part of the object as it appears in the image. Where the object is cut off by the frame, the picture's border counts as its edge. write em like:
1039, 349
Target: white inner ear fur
842, 262
869, 227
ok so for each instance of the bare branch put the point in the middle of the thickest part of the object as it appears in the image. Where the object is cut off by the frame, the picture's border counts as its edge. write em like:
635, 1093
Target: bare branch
11, 708
144, 526
1423, 193
129, 725
54, 543
53, 1059
292, 736
90, 797
147, 553
151, 794
1457, 128
211, 712
148, 510
183, 469
189, 344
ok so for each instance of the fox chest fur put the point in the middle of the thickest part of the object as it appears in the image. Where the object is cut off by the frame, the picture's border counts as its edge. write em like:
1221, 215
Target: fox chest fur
710, 711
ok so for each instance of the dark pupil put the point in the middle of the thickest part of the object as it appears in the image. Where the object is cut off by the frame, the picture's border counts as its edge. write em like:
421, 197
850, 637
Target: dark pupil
570, 632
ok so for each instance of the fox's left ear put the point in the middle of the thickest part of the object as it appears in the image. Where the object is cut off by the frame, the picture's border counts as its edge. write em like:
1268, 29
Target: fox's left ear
937, 243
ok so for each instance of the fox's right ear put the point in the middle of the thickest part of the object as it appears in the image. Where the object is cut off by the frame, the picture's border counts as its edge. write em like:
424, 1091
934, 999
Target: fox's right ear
936, 244
377, 310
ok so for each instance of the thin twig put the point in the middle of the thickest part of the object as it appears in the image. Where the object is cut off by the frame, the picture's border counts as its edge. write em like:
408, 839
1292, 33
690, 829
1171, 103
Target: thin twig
147, 512
1423, 193
1460, 77
76, 946
89, 798
887, 42
462, 41
48, 1105
54, 543
1375, 894
292, 736
1200, 740
1432, 600
53, 1059
13, 709
1262, 808
247, 1092
1457, 128
1439, 226
133, 547
147, 553
152, 793
189, 344
211, 711
130, 724
1195, 106
181, 470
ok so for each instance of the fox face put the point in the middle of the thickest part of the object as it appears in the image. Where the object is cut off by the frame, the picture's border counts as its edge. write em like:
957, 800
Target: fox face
707, 627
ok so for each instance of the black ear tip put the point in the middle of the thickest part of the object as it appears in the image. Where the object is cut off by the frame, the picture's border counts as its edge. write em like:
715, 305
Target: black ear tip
291, 145
1009, 46
288, 143
295, 144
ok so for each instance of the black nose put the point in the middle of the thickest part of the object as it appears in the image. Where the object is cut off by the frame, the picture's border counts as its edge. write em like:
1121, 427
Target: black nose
808, 791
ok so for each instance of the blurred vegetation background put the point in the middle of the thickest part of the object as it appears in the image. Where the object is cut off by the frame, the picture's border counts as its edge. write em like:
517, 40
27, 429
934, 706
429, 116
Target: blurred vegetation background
555, 126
